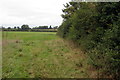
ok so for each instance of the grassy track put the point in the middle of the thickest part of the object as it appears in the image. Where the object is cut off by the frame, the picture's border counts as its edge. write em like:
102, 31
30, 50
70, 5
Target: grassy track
41, 54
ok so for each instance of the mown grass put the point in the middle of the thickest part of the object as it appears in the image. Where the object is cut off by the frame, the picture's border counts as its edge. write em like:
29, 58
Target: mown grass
41, 54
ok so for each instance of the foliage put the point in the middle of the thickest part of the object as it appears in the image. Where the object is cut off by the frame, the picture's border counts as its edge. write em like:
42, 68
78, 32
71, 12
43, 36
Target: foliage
50, 27
64, 28
25, 27
41, 27
34, 29
96, 28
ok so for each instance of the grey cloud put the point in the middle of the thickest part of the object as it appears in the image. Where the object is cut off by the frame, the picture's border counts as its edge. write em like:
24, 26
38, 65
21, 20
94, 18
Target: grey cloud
34, 12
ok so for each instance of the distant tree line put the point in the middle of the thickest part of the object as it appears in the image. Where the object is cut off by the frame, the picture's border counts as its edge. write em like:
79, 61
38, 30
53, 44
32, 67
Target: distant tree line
95, 27
26, 27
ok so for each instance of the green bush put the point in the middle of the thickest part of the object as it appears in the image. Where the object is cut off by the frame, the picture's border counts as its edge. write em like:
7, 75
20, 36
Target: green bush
96, 28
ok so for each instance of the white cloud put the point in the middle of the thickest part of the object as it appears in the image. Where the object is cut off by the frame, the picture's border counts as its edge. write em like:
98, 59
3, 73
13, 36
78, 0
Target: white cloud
32, 12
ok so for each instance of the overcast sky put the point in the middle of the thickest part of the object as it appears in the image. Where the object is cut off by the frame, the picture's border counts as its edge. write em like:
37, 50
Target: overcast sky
31, 12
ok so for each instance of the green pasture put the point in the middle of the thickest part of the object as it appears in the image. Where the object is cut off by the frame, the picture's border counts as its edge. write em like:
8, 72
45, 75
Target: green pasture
40, 54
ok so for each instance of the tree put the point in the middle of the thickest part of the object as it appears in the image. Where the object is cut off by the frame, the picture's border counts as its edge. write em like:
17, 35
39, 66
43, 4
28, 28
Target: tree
25, 27
55, 27
42, 27
9, 27
45, 27
18, 27
50, 27
15, 27
3, 27
96, 28
69, 10
107, 13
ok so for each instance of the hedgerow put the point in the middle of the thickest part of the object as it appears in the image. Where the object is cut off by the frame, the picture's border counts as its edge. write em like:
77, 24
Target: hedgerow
96, 28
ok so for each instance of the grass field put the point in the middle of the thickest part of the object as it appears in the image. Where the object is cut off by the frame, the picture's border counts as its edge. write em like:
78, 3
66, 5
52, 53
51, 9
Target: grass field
42, 54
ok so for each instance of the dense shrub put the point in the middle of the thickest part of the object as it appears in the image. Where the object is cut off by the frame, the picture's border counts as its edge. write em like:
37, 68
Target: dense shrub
96, 28
64, 28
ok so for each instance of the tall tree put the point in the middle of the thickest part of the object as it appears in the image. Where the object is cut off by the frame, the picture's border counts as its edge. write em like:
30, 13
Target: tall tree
15, 27
25, 27
50, 27
9, 27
